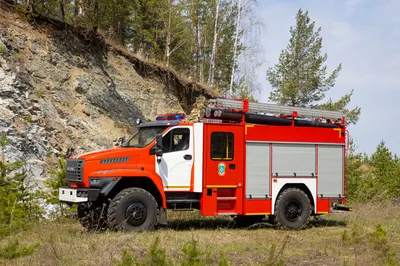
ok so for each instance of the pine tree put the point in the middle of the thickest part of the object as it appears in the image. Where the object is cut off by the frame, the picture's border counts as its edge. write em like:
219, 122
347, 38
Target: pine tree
386, 171
19, 205
300, 77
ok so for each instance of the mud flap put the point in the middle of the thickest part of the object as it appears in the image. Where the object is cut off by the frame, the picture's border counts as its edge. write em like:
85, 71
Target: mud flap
162, 220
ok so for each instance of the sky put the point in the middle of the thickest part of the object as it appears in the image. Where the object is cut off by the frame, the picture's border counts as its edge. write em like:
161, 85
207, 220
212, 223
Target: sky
363, 35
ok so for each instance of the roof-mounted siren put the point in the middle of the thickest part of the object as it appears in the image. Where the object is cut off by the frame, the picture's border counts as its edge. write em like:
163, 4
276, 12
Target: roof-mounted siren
171, 116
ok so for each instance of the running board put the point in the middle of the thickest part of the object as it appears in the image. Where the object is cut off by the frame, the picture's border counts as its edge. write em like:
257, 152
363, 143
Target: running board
182, 204
226, 213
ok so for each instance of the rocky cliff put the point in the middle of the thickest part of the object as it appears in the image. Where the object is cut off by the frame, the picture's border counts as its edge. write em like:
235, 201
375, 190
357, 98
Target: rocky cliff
61, 88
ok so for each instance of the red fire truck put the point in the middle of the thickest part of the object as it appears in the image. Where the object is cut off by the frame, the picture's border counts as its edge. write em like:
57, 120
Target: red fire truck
243, 159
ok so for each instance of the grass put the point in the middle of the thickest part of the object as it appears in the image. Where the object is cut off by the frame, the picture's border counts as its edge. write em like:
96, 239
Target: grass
369, 235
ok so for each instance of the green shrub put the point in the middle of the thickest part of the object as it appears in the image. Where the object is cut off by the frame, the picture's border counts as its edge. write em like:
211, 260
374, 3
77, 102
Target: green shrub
3, 49
386, 255
192, 255
375, 177
376, 243
19, 204
127, 259
13, 249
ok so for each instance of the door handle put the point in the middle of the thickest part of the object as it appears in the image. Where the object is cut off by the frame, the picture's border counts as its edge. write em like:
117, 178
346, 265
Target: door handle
232, 166
187, 157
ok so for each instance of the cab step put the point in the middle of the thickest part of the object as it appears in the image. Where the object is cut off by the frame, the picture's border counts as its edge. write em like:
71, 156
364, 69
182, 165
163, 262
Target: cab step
183, 204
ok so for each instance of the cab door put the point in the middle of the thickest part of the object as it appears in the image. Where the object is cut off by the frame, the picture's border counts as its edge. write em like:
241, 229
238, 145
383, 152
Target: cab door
175, 168
223, 169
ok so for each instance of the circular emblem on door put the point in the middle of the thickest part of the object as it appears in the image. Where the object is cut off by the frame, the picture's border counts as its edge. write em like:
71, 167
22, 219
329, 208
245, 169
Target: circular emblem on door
221, 169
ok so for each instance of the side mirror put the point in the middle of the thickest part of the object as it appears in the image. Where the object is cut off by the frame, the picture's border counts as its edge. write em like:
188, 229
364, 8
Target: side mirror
159, 141
157, 149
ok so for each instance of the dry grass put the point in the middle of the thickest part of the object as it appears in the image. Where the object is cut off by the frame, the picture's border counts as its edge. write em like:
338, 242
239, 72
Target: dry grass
319, 244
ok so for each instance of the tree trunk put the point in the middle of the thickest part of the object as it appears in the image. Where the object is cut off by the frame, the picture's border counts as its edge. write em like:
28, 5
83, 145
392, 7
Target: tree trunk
76, 8
62, 10
83, 7
198, 51
96, 15
201, 57
193, 70
168, 37
212, 63
235, 46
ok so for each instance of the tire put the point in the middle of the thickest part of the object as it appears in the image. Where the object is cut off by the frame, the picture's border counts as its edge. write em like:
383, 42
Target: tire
245, 221
292, 208
272, 220
133, 201
92, 216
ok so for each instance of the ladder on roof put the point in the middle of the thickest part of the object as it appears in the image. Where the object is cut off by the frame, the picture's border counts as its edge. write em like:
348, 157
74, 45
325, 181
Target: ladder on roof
275, 109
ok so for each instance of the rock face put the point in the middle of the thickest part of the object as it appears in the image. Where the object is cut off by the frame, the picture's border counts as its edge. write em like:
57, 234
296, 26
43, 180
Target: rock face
59, 91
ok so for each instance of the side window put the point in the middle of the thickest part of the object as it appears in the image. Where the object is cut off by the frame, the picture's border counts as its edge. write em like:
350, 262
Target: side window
177, 139
222, 146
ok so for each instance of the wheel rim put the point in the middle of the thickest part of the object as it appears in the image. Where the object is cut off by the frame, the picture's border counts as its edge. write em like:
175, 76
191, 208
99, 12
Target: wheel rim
293, 210
136, 214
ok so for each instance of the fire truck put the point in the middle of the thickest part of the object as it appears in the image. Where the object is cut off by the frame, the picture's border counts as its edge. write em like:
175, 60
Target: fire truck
247, 160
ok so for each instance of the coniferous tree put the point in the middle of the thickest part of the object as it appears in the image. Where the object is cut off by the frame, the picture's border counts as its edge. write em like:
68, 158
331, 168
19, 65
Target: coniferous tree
19, 205
300, 77
199, 38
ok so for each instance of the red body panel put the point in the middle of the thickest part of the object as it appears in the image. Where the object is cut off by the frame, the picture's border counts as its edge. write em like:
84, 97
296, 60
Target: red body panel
323, 206
226, 188
294, 134
257, 207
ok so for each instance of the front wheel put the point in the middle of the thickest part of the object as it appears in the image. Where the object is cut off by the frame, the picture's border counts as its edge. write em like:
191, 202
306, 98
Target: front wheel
292, 208
134, 210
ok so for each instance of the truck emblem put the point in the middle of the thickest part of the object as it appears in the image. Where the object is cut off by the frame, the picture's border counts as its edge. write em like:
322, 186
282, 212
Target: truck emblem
221, 169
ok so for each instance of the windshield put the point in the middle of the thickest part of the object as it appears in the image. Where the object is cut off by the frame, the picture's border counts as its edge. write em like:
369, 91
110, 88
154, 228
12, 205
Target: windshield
143, 137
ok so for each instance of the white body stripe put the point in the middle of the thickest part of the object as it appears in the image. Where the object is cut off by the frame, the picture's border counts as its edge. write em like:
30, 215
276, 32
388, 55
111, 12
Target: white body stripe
198, 157
311, 183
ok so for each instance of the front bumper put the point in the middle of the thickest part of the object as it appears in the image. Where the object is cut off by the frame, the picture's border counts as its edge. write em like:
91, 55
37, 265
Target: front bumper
71, 195
99, 189
76, 195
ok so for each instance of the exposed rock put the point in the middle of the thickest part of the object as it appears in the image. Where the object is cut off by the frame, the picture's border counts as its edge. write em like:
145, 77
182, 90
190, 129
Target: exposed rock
198, 105
57, 91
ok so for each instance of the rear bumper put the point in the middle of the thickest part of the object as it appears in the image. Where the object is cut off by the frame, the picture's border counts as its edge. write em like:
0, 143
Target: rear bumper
77, 195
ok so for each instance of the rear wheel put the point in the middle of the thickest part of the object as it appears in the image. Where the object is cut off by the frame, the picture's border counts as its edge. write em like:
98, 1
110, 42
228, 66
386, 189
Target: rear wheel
133, 209
292, 208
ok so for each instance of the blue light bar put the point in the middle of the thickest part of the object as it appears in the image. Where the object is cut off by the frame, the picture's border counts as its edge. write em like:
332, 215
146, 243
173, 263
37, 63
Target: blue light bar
173, 116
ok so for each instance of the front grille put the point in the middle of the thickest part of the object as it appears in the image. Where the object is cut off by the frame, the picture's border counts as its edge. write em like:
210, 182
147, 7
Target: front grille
74, 171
